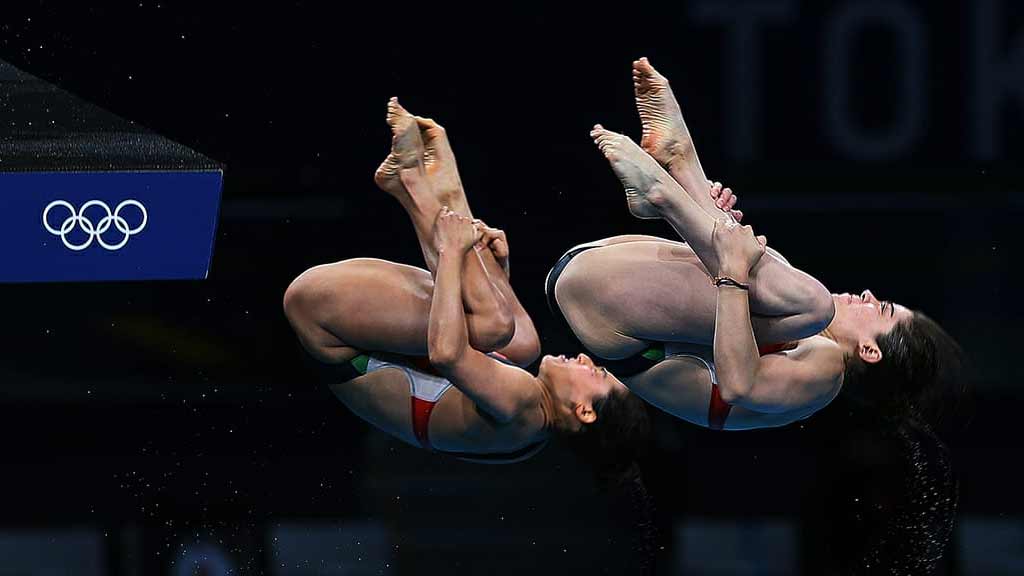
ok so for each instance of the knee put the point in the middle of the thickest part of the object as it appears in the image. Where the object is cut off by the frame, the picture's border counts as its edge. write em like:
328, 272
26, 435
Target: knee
824, 309
493, 331
504, 329
524, 348
816, 308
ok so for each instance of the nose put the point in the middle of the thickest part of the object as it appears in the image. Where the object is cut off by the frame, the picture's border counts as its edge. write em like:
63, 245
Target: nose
867, 295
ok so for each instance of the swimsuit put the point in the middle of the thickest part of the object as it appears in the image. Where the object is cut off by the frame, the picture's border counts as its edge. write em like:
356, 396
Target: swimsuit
426, 388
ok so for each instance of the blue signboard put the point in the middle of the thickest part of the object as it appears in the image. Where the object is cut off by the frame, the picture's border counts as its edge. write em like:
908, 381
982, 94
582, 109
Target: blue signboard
103, 226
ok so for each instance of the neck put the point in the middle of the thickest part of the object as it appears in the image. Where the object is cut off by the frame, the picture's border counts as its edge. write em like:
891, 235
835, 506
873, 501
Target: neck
547, 403
847, 354
848, 348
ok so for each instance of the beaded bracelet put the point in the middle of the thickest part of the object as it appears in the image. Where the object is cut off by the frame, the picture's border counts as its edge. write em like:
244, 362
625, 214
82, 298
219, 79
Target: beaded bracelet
720, 281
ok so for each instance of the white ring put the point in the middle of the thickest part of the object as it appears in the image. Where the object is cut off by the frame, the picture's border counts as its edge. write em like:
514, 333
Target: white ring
95, 231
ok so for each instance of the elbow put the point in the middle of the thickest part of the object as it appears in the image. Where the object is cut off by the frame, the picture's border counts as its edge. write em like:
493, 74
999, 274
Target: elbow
729, 395
732, 392
442, 355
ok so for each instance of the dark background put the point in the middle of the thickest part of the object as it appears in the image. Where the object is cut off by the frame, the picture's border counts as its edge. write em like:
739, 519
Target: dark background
150, 428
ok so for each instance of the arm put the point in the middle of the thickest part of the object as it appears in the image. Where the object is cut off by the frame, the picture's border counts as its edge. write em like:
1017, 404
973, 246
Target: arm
788, 303
775, 383
498, 389
736, 356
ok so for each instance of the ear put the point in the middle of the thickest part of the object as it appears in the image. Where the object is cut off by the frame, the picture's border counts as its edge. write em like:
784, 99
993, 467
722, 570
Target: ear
869, 352
585, 413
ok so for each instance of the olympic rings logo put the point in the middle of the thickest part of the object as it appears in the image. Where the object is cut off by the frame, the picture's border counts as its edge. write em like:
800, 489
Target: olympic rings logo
77, 218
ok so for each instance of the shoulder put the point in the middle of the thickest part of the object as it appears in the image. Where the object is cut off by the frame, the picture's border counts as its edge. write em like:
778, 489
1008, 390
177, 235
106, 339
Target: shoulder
818, 353
807, 377
822, 365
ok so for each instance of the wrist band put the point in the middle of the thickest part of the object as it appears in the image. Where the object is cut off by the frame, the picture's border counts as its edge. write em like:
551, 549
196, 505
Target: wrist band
720, 281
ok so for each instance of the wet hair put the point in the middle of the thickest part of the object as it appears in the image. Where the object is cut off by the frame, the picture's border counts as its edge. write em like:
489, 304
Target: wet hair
919, 377
897, 519
613, 445
913, 400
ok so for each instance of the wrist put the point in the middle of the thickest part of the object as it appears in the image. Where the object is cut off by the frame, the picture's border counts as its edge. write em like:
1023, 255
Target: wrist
450, 252
737, 274
727, 282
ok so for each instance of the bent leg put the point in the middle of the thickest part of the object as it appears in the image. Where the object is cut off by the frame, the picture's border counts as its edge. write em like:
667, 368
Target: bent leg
801, 303
618, 298
486, 289
419, 172
791, 302
367, 304
360, 304
777, 289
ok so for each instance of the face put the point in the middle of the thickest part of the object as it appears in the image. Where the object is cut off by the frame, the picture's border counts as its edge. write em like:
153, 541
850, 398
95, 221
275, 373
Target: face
579, 387
861, 318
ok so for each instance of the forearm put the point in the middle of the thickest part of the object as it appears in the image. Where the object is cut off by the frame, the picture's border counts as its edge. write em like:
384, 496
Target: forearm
735, 350
447, 337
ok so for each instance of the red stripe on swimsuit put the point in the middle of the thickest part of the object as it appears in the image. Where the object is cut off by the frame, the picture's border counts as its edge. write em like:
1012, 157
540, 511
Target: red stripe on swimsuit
773, 348
421, 410
718, 409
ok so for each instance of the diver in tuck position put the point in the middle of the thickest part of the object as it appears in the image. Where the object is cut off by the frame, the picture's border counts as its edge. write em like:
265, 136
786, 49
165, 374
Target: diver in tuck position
693, 330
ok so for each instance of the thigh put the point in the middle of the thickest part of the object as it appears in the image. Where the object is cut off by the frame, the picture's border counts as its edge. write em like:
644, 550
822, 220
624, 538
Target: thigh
679, 385
625, 238
364, 304
382, 399
616, 297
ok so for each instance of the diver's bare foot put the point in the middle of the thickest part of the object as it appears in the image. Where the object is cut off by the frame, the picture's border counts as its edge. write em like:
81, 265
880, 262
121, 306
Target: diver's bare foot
644, 180
665, 136
405, 161
441, 168
665, 133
